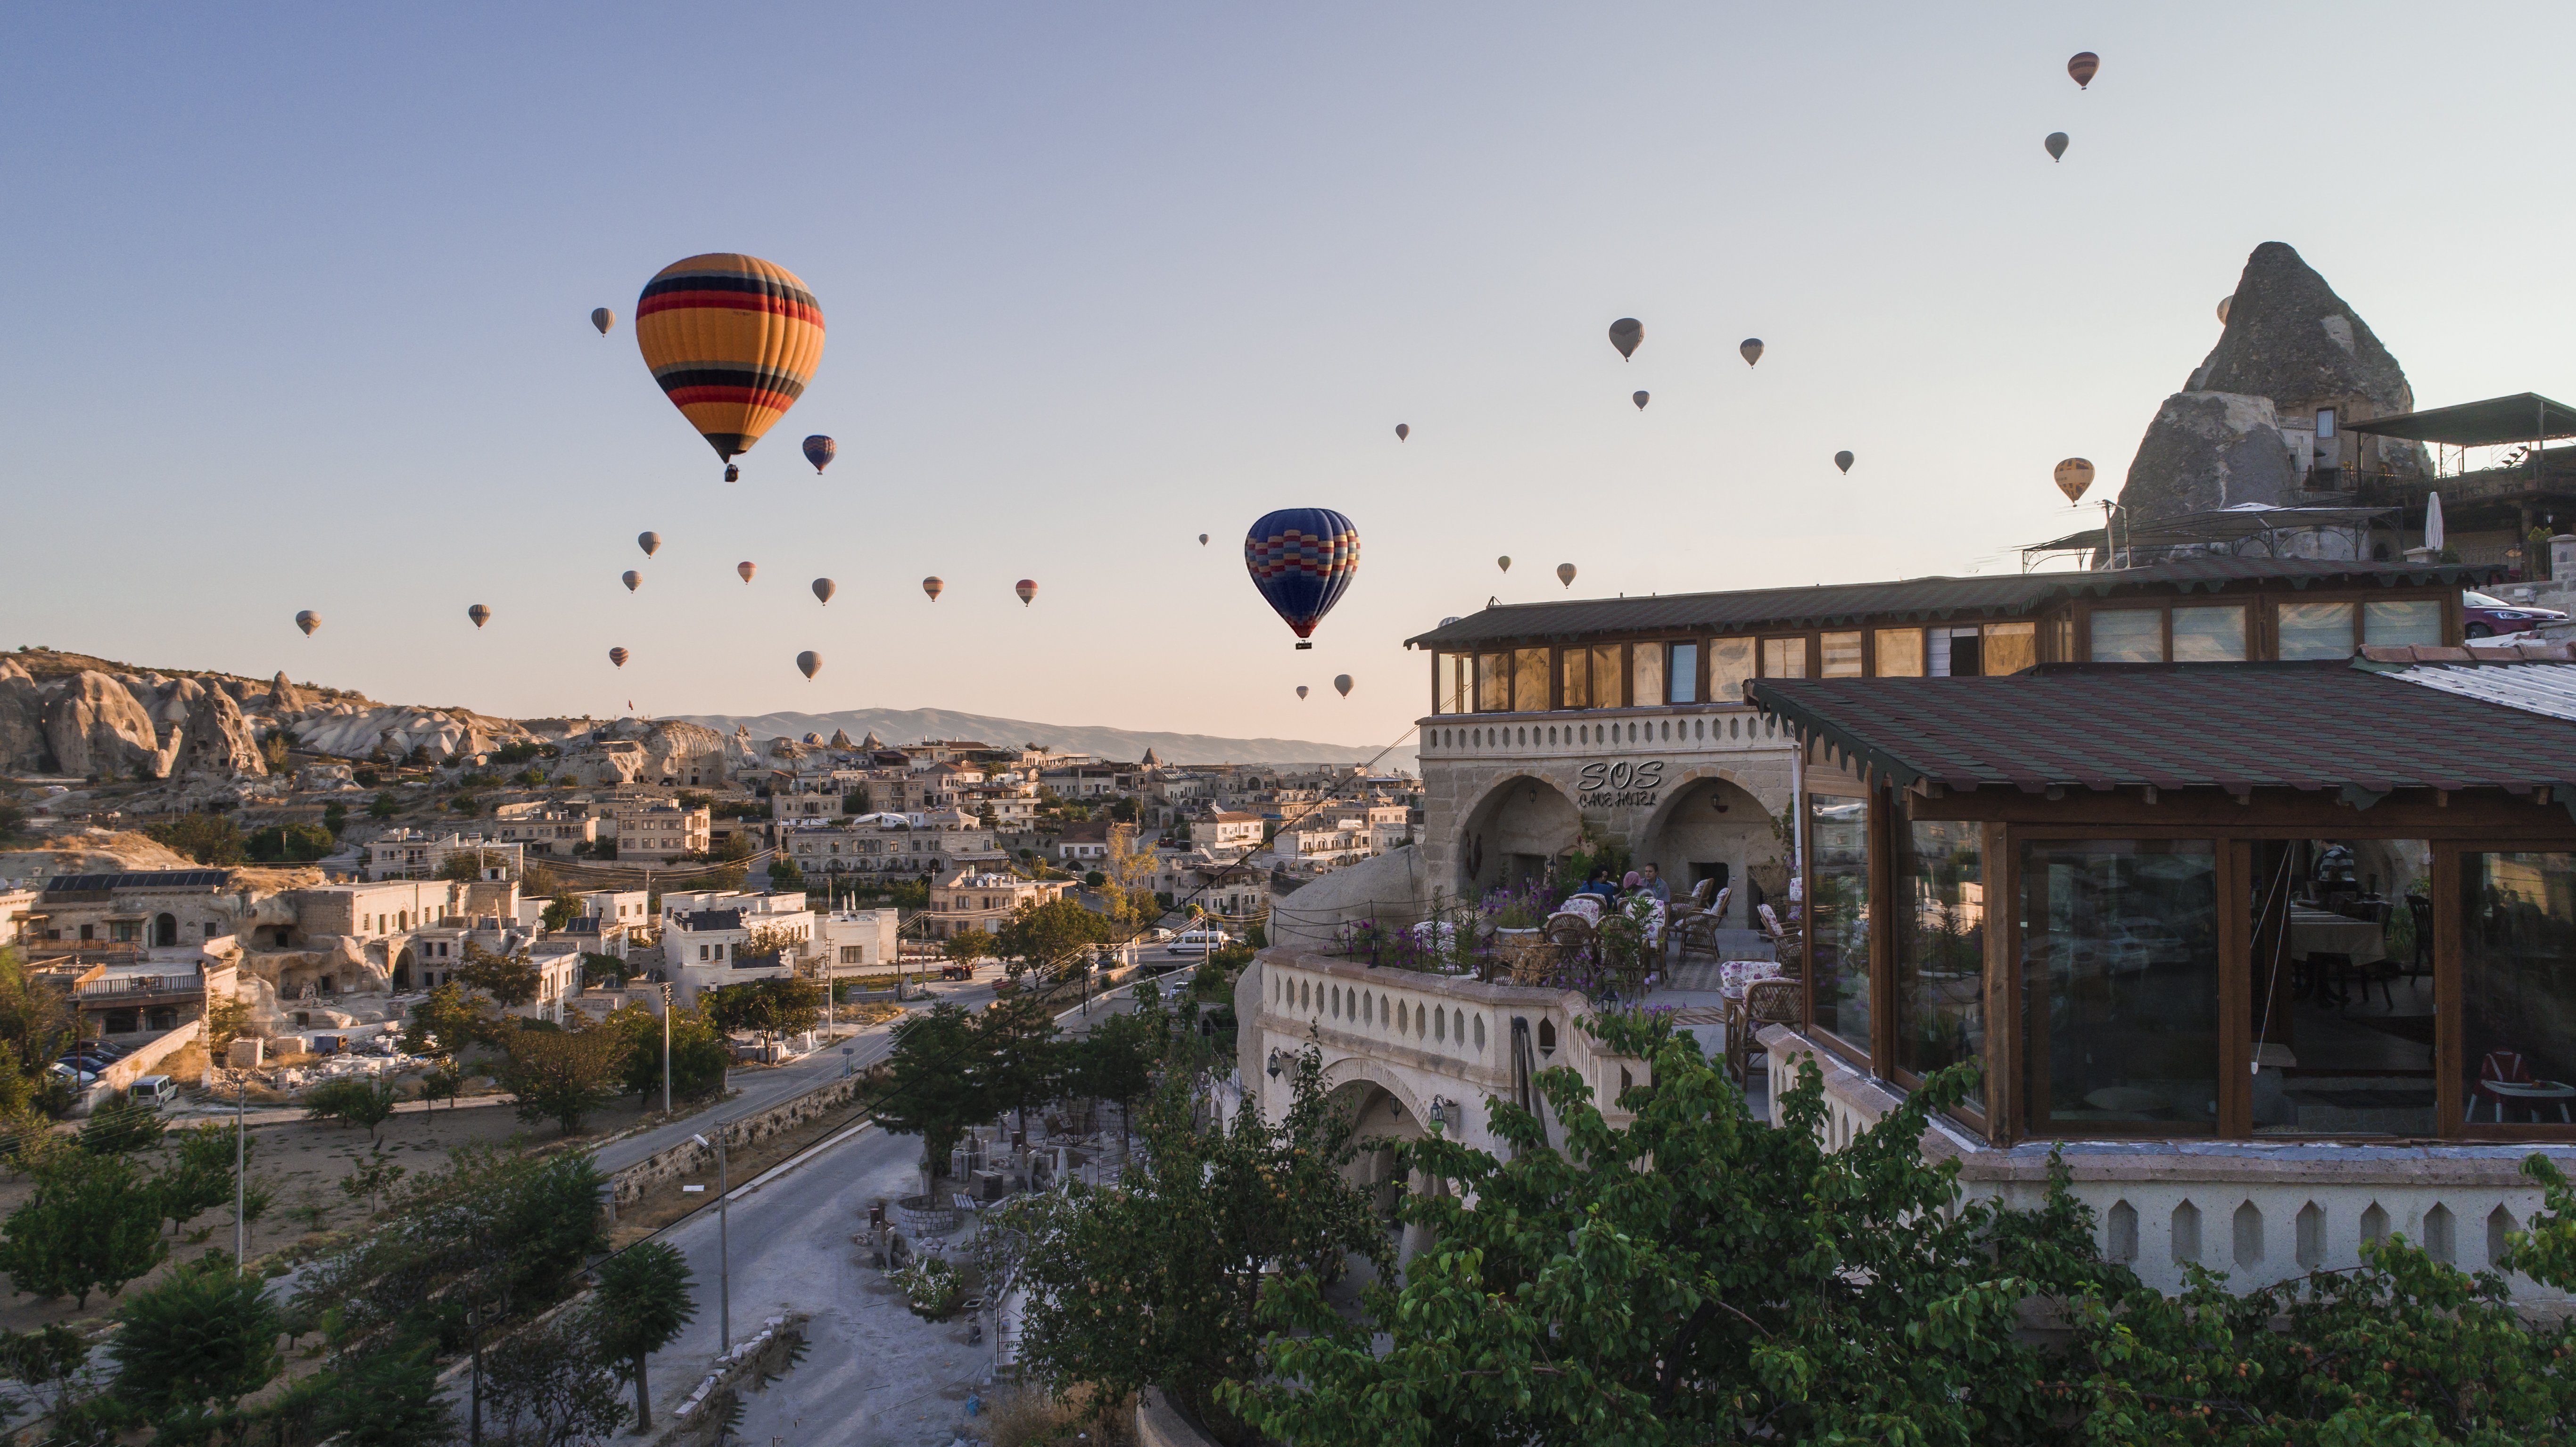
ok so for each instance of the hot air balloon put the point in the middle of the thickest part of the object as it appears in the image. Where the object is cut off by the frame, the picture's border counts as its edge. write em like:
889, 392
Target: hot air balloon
819, 451
1203, 540
2222, 307
2056, 144
810, 663
1752, 350
602, 318
746, 569
1301, 690
1402, 432
732, 473
2073, 476
812, 737
1625, 334
824, 588
632, 579
732, 340
480, 614
1640, 400
1302, 559
617, 656
308, 620
651, 543
932, 587
1026, 589
1843, 460
1565, 574
2082, 66
1504, 562
1342, 684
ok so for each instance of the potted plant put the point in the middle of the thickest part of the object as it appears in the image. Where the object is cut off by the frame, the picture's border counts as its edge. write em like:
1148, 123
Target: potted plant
1519, 915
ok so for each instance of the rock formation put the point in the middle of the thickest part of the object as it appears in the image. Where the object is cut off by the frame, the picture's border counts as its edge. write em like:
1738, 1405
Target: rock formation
215, 741
841, 739
2243, 429
23, 749
285, 698
94, 726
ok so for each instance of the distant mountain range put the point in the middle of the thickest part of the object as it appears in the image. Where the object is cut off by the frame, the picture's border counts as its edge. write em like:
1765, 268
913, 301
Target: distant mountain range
911, 725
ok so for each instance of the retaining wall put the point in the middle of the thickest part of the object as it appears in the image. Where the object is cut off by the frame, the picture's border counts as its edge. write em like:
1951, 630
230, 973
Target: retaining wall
688, 1157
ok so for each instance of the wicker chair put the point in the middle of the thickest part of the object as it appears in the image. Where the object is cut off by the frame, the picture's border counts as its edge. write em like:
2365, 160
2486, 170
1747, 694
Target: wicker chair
1571, 939
1766, 1002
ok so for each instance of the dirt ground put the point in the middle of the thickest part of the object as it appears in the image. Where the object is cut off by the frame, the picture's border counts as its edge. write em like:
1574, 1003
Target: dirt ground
305, 1162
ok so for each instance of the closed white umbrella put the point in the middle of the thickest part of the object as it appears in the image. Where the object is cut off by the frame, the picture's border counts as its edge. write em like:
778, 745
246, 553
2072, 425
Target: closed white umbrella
2433, 521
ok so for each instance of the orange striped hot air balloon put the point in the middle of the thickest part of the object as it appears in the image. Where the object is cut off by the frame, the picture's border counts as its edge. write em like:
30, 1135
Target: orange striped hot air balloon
732, 340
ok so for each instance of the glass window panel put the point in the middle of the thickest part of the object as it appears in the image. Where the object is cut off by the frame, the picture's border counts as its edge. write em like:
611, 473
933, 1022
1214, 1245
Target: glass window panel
2129, 635
1494, 683
1900, 653
1610, 675
2120, 983
2209, 635
1648, 685
1940, 945
1838, 915
2343, 995
2417, 620
1730, 662
1578, 678
1453, 677
2316, 630
2518, 987
1530, 679
1784, 658
1682, 674
1841, 655
2010, 648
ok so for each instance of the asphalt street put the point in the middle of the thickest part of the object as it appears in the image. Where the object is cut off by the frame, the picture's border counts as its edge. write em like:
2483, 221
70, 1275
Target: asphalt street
874, 1373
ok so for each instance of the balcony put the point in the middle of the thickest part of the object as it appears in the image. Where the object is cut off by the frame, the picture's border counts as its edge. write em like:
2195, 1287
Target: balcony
128, 991
1714, 728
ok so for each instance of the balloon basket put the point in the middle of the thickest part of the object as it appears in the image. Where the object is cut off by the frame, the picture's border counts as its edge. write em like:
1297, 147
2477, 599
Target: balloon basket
1302, 643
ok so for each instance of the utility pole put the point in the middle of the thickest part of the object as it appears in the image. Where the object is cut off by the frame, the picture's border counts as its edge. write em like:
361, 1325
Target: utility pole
241, 1159
666, 1047
724, 1250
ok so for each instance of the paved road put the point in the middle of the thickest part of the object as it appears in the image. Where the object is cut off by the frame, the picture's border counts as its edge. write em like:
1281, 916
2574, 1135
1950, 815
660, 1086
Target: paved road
874, 1374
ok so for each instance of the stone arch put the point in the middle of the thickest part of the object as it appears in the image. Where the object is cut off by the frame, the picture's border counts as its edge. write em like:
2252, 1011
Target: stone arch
402, 970
1709, 822
165, 930
1521, 823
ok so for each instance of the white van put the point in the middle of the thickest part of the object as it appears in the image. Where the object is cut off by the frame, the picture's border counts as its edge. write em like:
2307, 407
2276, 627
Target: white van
154, 1090
1200, 940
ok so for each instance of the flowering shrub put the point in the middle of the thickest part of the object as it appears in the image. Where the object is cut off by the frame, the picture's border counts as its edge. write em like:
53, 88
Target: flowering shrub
1525, 905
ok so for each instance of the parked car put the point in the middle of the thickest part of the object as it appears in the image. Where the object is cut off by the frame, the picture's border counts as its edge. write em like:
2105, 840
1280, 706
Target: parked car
2483, 615
74, 1074
1159, 935
85, 1059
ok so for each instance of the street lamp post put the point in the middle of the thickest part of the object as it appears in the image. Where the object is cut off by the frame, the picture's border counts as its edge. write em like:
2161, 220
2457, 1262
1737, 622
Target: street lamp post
724, 1249
666, 1047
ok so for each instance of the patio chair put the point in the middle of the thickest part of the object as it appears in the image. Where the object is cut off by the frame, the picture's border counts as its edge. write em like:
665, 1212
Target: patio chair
1573, 936
1765, 1002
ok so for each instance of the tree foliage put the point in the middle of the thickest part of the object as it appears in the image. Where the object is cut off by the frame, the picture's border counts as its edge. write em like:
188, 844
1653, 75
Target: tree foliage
644, 1301
93, 1224
290, 843
511, 980
1051, 937
448, 1022
779, 1005
935, 1093
698, 1054
204, 1335
206, 838
1158, 1280
563, 1075
360, 1104
1016, 1054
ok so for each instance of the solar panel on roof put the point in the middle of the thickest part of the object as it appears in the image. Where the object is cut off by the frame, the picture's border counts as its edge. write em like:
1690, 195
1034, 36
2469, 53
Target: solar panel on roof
138, 879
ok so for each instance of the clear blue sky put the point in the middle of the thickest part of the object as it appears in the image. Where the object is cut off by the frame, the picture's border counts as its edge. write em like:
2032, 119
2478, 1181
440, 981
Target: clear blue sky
298, 296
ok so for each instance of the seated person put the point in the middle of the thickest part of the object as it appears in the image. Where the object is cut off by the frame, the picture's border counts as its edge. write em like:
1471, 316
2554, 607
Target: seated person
1650, 881
1598, 883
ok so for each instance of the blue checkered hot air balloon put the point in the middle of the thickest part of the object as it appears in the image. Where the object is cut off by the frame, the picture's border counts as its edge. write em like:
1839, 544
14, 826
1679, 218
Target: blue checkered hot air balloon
1302, 559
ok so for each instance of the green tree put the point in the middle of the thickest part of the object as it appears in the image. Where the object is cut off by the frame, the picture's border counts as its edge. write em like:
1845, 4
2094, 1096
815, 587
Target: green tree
785, 873
369, 1180
699, 1057
205, 1335
779, 1005
467, 865
464, 1252
443, 1081
13, 822
511, 980
293, 843
387, 1397
967, 946
937, 1089
93, 1224
383, 806
1157, 1281
1017, 1053
121, 1126
855, 802
1114, 1064
553, 1387
449, 1022
362, 1104
199, 1177
467, 805
335, 818
644, 1301
1052, 937
562, 908
205, 838
563, 1075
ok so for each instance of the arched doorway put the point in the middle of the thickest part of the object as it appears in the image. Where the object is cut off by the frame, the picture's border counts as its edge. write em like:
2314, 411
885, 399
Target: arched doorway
165, 931
1711, 828
1513, 832
402, 971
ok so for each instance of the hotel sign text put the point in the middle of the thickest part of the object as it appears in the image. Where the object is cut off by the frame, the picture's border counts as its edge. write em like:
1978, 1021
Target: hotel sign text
1620, 785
